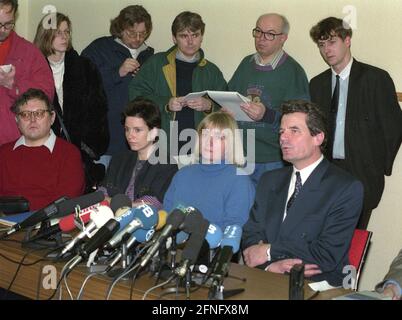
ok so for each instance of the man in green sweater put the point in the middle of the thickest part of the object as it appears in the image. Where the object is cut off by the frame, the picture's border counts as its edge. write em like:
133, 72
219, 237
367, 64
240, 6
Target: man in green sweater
167, 77
268, 77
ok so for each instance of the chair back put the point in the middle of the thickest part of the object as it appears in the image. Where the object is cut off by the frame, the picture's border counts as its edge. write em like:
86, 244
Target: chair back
358, 251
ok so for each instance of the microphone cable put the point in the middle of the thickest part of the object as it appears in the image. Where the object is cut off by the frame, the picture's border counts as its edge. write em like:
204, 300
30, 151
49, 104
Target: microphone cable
92, 274
159, 285
22, 264
130, 268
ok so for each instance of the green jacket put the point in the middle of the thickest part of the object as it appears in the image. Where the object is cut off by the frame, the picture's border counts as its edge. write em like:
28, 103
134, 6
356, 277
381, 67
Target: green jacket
156, 81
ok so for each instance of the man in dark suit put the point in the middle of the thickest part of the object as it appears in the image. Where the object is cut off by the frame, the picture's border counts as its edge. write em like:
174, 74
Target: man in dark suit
305, 213
364, 115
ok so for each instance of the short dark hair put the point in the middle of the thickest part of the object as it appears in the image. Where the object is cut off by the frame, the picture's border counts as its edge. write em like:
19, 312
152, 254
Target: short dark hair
44, 36
12, 3
316, 121
28, 95
128, 17
188, 20
144, 109
329, 27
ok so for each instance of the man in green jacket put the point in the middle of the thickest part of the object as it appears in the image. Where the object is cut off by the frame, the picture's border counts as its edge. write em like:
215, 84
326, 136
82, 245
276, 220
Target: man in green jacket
167, 77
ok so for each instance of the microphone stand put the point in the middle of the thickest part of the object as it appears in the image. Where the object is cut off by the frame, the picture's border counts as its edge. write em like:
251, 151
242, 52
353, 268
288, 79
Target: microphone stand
217, 291
45, 237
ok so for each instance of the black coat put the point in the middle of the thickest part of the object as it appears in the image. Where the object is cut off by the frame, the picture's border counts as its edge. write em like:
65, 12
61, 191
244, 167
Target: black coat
152, 179
84, 105
108, 56
373, 125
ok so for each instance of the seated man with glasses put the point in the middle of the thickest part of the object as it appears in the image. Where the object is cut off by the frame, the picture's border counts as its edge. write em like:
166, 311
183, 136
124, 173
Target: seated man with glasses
39, 166
22, 66
268, 77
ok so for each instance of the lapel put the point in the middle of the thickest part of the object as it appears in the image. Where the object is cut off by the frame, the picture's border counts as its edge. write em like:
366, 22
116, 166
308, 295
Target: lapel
326, 93
276, 207
309, 192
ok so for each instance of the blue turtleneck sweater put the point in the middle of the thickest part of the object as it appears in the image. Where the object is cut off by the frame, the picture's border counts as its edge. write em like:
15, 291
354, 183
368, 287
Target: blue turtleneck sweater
223, 197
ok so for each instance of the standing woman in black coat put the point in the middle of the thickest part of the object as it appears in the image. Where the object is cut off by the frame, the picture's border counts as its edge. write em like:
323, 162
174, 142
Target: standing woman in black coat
80, 99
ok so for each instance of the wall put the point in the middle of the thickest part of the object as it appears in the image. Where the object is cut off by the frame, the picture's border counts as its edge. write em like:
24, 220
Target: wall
228, 39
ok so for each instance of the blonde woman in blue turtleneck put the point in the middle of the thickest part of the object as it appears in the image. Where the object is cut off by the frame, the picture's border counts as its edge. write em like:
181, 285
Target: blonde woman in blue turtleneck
215, 184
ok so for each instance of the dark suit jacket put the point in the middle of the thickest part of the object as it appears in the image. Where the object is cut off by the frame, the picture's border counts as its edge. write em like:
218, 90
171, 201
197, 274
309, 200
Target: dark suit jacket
318, 227
373, 125
152, 179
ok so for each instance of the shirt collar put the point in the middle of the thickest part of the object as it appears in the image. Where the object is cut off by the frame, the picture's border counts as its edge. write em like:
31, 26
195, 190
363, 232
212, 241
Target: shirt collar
50, 142
273, 63
305, 172
344, 74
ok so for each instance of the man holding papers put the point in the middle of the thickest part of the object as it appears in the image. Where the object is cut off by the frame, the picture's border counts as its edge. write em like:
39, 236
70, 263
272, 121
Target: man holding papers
167, 77
267, 77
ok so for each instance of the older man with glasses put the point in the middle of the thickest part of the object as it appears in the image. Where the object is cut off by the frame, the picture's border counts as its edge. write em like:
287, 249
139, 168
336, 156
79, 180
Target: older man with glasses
268, 77
39, 166
22, 66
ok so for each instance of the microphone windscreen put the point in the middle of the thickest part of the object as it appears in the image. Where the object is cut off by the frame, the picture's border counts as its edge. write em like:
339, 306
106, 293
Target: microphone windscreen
181, 237
214, 236
120, 200
147, 215
68, 223
232, 237
162, 216
101, 215
143, 235
119, 212
68, 206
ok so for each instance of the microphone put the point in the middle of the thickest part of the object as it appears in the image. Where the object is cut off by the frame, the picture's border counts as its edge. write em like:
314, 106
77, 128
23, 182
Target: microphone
99, 216
173, 222
120, 201
60, 208
98, 240
232, 237
213, 237
230, 244
145, 217
162, 216
139, 235
69, 223
197, 226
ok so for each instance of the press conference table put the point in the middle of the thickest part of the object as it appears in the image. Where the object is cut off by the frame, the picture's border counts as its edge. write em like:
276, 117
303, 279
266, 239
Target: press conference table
259, 285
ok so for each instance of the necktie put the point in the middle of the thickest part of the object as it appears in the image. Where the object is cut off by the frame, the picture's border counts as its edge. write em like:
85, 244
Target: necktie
332, 118
298, 186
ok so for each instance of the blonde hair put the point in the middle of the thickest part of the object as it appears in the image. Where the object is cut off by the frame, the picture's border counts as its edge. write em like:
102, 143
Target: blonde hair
233, 140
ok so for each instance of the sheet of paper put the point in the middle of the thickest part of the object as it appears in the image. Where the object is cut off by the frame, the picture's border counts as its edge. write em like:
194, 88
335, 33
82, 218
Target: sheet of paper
229, 99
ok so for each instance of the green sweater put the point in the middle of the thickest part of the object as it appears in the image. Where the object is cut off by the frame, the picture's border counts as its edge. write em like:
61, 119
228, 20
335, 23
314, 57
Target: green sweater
156, 81
271, 87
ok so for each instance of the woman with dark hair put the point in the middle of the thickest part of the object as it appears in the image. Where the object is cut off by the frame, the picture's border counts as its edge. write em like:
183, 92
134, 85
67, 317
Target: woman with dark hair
80, 101
118, 58
137, 173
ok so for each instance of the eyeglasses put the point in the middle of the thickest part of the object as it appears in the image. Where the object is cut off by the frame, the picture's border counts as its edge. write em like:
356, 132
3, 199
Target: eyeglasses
135, 34
186, 36
65, 33
37, 114
257, 33
7, 25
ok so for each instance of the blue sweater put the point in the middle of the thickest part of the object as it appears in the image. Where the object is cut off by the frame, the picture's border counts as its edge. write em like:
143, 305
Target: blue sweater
223, 197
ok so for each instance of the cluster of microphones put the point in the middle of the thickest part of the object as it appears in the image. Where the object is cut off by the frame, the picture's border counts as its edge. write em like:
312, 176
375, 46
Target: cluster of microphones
109, 235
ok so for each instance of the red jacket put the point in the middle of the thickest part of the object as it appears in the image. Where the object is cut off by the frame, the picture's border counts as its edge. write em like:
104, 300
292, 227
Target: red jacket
32, 71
